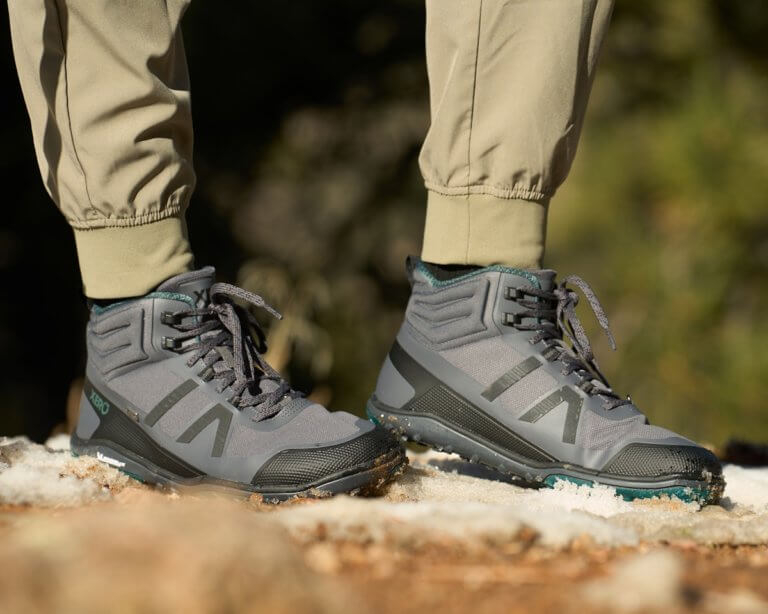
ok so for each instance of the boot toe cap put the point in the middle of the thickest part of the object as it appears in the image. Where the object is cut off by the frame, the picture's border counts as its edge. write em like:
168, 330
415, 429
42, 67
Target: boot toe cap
646, 461
302, 468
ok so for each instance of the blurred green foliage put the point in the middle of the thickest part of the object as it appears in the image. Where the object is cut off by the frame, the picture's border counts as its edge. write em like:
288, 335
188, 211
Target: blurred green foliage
665, 212
309, 117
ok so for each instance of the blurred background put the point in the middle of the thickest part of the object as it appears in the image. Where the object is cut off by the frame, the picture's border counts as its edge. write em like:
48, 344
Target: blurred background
309, 193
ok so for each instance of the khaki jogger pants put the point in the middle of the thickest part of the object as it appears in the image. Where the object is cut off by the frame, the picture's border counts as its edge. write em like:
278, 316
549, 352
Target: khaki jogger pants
107, 90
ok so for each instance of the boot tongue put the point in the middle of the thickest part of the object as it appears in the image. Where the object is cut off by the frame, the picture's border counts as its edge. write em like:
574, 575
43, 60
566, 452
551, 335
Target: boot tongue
194, 284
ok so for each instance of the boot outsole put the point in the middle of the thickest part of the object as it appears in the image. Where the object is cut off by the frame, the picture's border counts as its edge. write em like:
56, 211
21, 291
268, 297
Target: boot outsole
365, 479
439, 436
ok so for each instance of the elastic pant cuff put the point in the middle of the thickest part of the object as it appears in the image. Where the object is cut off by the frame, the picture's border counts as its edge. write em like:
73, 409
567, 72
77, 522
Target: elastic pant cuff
483, 230
117, 262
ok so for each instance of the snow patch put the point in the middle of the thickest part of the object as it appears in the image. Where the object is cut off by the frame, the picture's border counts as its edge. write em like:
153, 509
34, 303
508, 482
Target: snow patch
58, 442
414, 523
444, 477
438, 497
48, 476
746, 486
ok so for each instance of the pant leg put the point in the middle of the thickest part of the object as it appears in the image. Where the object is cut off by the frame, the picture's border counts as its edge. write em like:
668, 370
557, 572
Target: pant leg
106, 86
509, 82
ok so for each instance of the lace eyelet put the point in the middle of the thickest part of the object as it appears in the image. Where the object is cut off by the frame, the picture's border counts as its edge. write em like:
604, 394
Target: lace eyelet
587, 387
169, 343
170, 319
513, 294
206, 374
512, 319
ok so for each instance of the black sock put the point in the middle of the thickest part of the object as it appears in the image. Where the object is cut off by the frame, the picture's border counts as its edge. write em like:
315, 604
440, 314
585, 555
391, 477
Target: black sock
444, 272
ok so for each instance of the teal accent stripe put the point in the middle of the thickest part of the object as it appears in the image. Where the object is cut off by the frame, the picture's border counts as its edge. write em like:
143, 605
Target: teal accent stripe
698, 494
437, 283
174, 296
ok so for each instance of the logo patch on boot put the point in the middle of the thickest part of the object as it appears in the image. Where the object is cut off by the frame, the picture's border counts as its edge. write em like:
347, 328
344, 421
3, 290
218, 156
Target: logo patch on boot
108, 460
100, 405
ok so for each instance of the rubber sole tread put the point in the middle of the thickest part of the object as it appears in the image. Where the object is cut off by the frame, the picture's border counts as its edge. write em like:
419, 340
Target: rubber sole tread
706, 492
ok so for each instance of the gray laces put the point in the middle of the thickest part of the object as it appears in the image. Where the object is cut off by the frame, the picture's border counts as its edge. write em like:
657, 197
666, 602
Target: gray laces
229, 341
568, 321
553, 317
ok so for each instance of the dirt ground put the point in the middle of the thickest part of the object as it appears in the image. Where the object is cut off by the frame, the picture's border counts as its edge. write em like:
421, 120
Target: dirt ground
448, 579
147, 552
78, 536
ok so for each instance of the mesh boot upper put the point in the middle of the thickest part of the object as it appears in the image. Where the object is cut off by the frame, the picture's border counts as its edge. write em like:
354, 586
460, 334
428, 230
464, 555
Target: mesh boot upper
469, 345
175, 395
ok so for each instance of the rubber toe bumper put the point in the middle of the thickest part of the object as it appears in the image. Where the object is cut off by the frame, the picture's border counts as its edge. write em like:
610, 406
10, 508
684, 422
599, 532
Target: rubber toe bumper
305, 467
655, 461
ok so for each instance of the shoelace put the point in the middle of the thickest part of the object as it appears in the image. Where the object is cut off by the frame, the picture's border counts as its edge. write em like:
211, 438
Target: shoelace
554, 319
220, 334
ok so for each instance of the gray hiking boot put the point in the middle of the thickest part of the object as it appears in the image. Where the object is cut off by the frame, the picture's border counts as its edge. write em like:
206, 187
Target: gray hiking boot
177, 392
494, 365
